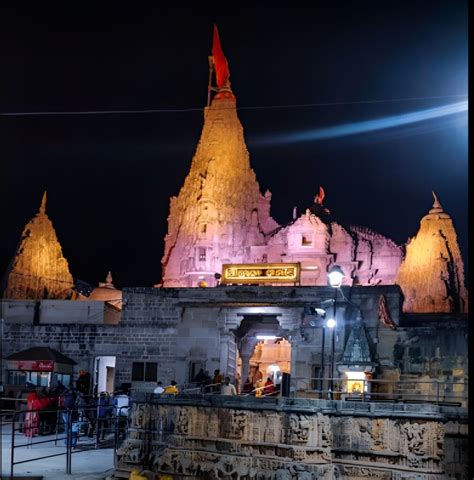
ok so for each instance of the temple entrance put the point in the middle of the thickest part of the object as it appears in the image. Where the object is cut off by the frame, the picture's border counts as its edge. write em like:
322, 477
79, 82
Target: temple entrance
270, 360
264, 354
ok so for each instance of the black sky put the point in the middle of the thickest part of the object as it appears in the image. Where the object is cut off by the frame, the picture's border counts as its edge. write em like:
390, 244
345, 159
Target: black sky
109, 177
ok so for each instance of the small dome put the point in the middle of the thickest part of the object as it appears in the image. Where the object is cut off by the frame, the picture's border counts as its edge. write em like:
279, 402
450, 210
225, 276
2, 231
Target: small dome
107, 294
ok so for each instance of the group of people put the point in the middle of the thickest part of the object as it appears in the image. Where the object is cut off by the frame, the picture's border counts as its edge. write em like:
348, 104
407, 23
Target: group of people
42, 407
223, 385
260, 389
57, 410
171, 389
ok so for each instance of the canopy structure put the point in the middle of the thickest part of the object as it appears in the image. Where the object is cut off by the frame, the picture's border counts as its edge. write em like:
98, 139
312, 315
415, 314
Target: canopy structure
38, 354
39, 367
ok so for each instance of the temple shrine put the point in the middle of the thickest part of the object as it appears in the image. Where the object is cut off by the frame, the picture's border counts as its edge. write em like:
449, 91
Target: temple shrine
253, 298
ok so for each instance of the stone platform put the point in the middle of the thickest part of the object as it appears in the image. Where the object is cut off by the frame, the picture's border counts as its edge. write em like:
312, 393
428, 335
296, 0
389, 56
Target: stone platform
247, 438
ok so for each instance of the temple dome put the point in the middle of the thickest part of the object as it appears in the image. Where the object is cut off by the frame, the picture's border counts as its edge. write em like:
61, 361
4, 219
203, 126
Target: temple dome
106, 292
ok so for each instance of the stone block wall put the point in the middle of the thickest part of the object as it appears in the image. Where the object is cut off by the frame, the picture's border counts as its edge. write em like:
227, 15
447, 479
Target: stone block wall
178, 327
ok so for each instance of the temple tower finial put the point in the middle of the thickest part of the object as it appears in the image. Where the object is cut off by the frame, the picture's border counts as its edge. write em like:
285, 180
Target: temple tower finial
42, 209
436, 204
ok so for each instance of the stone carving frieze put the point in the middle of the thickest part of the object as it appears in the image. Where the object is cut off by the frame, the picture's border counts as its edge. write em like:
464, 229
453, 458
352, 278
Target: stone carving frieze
214, 443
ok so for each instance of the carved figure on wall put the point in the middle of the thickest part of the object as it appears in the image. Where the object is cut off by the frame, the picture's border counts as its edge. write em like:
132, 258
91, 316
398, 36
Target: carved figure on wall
182, 423
299, 427
414, 433
131, 451
325, 436
213, 427
233, 467
377, 433
283, 474
238, 424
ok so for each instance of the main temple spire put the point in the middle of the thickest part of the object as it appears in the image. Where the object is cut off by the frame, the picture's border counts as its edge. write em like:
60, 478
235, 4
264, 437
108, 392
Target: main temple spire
219, 209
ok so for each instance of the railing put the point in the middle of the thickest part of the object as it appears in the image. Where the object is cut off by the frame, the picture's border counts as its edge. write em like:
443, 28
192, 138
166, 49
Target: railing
69, 425
443, 393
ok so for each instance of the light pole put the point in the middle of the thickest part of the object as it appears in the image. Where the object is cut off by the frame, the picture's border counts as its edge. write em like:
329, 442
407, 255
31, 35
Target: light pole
335, 276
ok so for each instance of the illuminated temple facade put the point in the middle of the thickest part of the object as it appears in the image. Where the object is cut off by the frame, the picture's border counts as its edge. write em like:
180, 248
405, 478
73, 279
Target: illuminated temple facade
399, 328
221, 217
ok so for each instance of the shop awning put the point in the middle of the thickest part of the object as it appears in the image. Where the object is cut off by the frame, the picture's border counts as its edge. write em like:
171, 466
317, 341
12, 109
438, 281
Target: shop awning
41, 354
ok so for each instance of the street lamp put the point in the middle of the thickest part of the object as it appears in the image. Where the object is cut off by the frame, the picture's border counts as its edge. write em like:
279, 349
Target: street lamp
335, 276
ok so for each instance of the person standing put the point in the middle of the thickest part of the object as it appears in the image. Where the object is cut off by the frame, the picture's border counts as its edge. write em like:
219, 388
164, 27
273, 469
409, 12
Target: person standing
269, 387
227, 388
217, 380
159, 388
31, 423
206, 383
104, 409
248, 386
171, 389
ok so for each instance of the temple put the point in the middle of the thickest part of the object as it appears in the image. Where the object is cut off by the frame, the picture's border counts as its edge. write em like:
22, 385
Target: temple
432, 273
220, 216
38, 269
391, 334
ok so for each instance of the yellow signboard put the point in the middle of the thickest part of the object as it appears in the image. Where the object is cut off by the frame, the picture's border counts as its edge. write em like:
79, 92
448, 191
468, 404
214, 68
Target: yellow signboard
248, 273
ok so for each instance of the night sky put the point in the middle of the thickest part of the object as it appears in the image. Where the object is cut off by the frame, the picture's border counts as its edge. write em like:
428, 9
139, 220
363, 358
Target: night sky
109, 177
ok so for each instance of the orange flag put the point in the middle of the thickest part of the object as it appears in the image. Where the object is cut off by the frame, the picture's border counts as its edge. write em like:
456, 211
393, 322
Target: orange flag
220, 62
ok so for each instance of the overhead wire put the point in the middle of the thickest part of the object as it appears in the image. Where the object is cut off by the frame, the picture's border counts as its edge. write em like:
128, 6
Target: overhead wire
254, 107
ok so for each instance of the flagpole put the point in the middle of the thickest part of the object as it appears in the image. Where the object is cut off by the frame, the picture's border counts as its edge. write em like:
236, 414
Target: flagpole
209, 86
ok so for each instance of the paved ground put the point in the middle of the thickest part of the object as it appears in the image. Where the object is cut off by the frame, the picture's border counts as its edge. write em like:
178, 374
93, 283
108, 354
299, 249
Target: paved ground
87, 463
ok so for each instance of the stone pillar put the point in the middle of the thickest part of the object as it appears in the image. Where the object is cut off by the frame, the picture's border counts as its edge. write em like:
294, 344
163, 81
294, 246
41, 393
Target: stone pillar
245, 369
224, 353
247, 347
295, 339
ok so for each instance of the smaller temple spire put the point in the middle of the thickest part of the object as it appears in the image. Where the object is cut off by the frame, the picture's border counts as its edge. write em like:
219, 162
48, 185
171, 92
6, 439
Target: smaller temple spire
42, 209
108, 279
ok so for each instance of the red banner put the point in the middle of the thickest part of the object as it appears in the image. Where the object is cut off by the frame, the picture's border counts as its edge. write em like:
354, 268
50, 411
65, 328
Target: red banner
220, 62
36, 365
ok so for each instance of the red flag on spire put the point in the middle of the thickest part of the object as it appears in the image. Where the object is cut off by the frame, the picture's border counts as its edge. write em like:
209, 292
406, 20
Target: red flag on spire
220, 62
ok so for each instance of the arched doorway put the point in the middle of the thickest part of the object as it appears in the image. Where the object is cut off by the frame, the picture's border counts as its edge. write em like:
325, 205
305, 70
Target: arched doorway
263, 350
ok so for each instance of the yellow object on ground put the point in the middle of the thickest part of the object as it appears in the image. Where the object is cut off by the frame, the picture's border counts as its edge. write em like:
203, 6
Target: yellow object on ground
136, 475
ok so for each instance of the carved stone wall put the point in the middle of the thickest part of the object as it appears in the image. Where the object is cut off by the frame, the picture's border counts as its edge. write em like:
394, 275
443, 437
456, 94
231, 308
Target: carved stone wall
243, 439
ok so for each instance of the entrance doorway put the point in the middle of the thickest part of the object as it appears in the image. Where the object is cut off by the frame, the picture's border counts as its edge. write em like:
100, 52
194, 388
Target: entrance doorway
271, 358
104, 377
263, 351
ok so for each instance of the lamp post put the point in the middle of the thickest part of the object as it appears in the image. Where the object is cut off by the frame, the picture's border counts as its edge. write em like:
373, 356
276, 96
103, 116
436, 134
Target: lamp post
335, 276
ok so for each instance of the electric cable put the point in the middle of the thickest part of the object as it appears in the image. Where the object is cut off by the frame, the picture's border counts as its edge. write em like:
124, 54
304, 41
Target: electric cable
254, 107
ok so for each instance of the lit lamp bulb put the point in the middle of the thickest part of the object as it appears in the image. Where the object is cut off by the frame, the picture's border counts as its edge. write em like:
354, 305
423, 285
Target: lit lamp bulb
331, 323
335, 276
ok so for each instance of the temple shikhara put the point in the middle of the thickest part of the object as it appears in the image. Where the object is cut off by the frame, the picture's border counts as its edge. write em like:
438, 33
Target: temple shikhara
39, 269
257, 300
